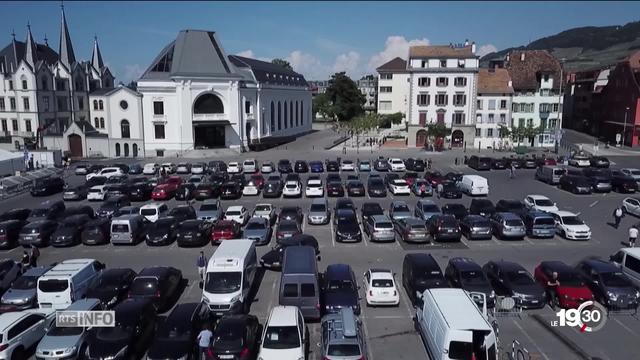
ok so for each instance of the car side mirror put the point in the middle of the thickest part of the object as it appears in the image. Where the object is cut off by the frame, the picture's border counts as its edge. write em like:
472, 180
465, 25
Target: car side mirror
201, 284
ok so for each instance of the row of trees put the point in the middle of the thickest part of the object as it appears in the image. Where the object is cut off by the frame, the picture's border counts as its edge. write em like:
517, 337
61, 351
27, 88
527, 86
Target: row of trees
519, 133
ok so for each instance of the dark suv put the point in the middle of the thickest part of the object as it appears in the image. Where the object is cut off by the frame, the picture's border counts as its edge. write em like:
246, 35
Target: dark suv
48, 186
609, 285
420, 272
340, 289
464, 273
511, 279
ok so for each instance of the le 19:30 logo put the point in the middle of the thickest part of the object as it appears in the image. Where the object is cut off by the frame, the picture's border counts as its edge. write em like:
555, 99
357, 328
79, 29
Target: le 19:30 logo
590, 316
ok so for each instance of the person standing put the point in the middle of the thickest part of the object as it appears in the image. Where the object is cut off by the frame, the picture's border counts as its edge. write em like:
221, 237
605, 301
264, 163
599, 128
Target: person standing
429, 164
33, 256
617, 216
25, 259
633, 235
512, 171
439, 188
202, 265
204, 341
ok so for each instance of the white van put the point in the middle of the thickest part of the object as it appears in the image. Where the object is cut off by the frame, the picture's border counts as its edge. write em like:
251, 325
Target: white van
250, 166
153, 211
230, 275
474, 185
453, 327
628, 260
66, 282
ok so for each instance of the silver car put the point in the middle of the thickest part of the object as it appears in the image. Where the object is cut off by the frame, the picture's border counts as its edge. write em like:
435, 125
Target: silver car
22, 294
379, 228
348, 343
507, 225
67, 342
9, 272
258, 229
266, 211
319, 212
210, 210
399, 210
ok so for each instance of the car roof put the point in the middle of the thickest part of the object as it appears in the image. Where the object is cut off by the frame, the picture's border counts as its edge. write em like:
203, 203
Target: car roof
381, 273
399, 203
182, 313
154, 271
426, 202
235, 208
557, 266
381, 218
422, 259
632, 251
37, 271
464, 263
338, 272
563, 213
508, 265
508, 216
601, 265
283, 316
131, 306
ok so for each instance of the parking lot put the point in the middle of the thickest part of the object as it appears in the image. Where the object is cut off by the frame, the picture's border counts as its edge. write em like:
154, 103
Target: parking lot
390, 331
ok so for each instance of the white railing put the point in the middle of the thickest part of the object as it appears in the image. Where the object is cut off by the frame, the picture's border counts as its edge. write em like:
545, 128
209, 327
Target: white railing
210, 117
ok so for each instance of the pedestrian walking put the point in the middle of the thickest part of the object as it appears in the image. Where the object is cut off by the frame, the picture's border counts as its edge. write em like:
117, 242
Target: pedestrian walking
439, 189
33, 256
456, 161
512, 171
423, 189
25, 259
633, 235
617, 216
429, 164
202, 265
204, 341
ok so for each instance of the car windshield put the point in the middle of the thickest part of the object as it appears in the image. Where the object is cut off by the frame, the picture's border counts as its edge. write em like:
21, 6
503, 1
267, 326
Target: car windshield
519, 278
65, 331
401, 208
147, 212
190, 225
471, 278
292, 186
209, 207
635, 172
105, 281
615, 279
343, 350
382, 283
572, 220
317, 208
544, 202
232, 213
223, 282
120, 332
384, 225
228, 336
281, 337
53, 285
25, 283
514, 222
544, 221
263, 208
570, 279
340, 285
161, 224
430, 208
288, 226
144, 286
255, 225
372, 209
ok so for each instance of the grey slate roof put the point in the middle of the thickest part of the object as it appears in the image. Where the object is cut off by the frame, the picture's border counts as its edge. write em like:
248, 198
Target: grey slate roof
8, 56
89, 130
266, 72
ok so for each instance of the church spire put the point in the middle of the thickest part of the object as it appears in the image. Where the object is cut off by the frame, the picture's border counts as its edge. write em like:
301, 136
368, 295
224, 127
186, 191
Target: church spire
31, 50
96, 57
67, 57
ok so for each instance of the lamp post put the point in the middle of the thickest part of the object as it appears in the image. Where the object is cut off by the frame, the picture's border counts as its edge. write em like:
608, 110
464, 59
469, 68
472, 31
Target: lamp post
557, 127
624, 129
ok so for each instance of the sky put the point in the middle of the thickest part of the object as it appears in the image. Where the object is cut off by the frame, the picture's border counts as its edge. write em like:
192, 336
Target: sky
317, 38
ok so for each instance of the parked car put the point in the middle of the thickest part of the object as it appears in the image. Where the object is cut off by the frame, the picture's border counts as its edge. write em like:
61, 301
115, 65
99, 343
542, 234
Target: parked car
316, 166
23, 330
314, 187
347, 165
347, 228
511, 279
37, 233
230, 190
479, 163
10, 270
464, 273
272, 187
369, 209
287, 228
379, 227
206, 190
622, 182
540, 203
376, 187
444, 228
416, 165
111, 205
506, 225
285, 335
483, 207
10, 233
579, 160
267, 167
396, 164
564, 286
48, 210
364, 165
111, 286
334, 188
422, 188
355, 188
599, 162
301, 166
291, 213
458, 210
21, 214
380, 288
266, 211
609, 285
68, 232
176, 334
158, 283
139, 191
539, 224
284, 166
600, 179
381, 165
425, 209
420, 272
513, 206
162, 232
259, 230
412, 230
225, 230
498, 164
106, 172
75, 193
476, 227
22, 294
167, 190
47, 186
193, 232
236, 337
199, 168
332, 166
319, 212
399, 187
183, 168
450, 190
399, 210
292, 189
96, 232
237, 213
339, 289
570, 226
150, 169
273, 258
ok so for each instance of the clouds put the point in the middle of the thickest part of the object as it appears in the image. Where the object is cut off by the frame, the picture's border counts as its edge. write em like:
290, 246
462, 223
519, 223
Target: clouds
486, 49
394, 46
247, 53
132, 72
348, 63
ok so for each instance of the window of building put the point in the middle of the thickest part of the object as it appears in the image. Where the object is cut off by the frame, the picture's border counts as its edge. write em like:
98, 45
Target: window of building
159, 131
441, 99
442, 81
101, 105
101, 123
60, 85
515, 107
520, 122
2, 107
96, 123
27, 125
458, 118
124, 105
545, 108
62, 103
423, 99
478, 118
45, 103
443, 63
503, 104
552, 123
95, 104
459, 99
503, 118
117, 149
285, 114
423, 64
79, 86
424, 81
158, 108
301, 113
386, 76
460, 81
556, 107
478, 132
247, 107
279, 116
14, 124
80, 103
291, 114
297, 117
24, 85
45, 84
273, 118
4, 125
385, 89
489, 132
125, 129
422, 118
384, 105
461, 63
492, 105
491, 118
159, 153
10, 84
529, 122
12, 103
479, 104
543, 123
25, 103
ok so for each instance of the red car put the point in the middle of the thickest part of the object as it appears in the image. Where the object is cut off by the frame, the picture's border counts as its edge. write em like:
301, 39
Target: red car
570, 291
434, 178
258, 180
167, 190
225, 230
410, 178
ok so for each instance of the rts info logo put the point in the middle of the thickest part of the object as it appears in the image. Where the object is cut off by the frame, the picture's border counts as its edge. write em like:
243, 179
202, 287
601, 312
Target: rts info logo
590, 316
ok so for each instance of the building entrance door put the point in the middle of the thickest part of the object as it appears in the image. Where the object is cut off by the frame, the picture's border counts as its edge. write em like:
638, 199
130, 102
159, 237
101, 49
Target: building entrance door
208, 136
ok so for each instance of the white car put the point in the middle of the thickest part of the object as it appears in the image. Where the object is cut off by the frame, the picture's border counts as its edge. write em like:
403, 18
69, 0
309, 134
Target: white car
237, 213
570, 226
22, 330
234, 168
284, 336
97, 193
396, 164
183, 168
314, 188
266, 211
170, 168
82, 170
631, 206
540, 203
198, 168
347, 165
380, 288
150, 169
250, 166
399, 187
632, 172
267, 168
250, 189
106, 172
292, 188
580, 161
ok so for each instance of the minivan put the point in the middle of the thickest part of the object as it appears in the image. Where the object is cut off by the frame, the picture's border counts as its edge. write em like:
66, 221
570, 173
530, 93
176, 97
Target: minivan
153, 211
628, 260
299, 281
127, 229
479, 163
549, 174
229, 277
474, 185
67, 282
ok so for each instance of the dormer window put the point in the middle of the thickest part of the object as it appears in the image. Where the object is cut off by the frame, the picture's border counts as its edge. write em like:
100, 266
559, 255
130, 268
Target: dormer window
424, 64
443, 63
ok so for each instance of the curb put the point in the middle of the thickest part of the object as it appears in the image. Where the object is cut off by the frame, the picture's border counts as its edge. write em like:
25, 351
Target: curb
563, 338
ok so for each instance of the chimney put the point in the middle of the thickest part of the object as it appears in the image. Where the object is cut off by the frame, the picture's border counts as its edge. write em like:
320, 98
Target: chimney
466, 42
510, 83
473, 47
507, 57
522, 56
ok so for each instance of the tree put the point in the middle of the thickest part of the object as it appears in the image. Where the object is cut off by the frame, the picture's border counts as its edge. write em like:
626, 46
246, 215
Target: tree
322, 105
387, 120
531, 132
284, 63
438, 132
345, 97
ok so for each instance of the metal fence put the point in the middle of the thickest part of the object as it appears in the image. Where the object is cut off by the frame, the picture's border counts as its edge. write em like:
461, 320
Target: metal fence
14, 185
506, 306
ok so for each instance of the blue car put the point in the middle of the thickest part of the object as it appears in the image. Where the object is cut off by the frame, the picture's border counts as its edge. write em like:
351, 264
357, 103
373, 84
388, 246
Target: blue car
340, 289
316, 166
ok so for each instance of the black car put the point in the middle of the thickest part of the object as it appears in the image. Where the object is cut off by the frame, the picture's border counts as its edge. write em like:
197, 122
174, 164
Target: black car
599, 162
182, 213
116, 190
511, 279
284, 166
69, 231
454, 176
498, 164
450, 190
95, 181
369, 209
388, 178
516, 163
10, 233
48, 210
96, 232
464, 273
347, 227
609, 285
37, 233
230, 190
479, 163
272, 187
332, 166
513, 206
185, 191
48, 186
140, 191
16, 214
483, 207
600, 178
135, 169
301, 166
78, 210
344, 203
273, 258
381, 165
236, 337
162, 232
130, 337
111, 205
339, 289
414, 165
217, 166
457, 210
420, 272
355, 188
159, 283
576, 184
193, 233
376, 188
176, 335
444, 228
335, 189
75, 193
622, 182
287, 228
476, 227
291, 213
239, 179
206, 190
111, 286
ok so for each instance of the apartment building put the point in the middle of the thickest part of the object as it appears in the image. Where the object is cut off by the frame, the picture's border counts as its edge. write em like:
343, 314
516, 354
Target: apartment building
493, 108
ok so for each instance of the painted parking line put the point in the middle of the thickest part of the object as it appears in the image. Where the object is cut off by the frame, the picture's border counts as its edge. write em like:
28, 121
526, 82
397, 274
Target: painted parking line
366, 334
529, 241
333, 237
526, 334
462, 240
594, 203
626, 327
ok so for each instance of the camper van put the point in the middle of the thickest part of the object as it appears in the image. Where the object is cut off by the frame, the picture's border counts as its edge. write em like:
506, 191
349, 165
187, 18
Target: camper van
66, 282
299, 282
452, 326
229, 278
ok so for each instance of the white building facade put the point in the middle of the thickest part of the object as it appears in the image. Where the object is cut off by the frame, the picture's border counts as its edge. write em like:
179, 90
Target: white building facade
195, 97
493, 108
393, 87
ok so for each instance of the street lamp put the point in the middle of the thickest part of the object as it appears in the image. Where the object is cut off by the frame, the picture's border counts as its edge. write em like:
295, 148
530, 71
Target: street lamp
624, 129
557, 127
